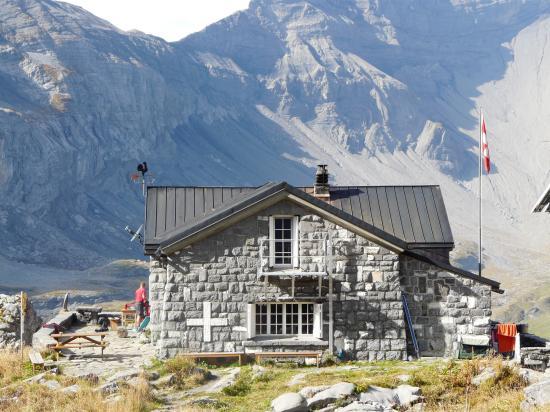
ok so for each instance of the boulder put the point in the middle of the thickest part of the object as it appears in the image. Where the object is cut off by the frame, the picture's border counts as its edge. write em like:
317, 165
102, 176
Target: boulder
531, 376
51, 384
124, 375
10, 321
310, 391
335, 392
485, 375
153, 375
402, 396
108, 388
166, 380
36, 378
368, 406
407, 395
138, 381
87, 376
289, 402
71, 389
536, 395
383, 396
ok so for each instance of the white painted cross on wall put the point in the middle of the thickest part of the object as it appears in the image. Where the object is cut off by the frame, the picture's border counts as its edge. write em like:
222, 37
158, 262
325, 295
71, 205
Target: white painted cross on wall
207, 321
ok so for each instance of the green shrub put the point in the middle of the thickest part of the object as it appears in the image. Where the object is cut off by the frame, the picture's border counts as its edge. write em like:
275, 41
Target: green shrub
241, 386
186, 373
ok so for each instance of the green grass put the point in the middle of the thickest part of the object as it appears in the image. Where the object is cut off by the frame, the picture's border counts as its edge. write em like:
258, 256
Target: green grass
446, 384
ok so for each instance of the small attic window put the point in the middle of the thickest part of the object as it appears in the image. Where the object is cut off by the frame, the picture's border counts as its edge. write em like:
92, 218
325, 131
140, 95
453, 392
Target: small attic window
283, 241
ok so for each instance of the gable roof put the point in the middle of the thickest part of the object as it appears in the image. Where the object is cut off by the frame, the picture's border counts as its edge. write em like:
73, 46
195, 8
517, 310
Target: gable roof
543, 204
412, 216
178, 216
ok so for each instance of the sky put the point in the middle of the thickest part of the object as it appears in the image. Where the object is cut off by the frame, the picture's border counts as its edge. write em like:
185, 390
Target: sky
170, 19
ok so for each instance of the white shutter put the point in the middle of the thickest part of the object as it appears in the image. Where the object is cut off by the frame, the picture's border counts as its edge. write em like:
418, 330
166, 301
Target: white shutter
295, 242
318, 320
251, 320
271, 241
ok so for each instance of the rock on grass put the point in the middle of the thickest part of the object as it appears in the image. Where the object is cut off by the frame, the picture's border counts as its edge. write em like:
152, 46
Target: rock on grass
289, 402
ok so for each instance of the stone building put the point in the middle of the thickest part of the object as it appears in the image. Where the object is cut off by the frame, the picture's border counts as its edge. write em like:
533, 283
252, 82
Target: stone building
280, 268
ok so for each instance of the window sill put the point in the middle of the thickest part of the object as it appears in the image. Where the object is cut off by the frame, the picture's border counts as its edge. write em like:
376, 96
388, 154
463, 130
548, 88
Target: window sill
279, 272
284, 341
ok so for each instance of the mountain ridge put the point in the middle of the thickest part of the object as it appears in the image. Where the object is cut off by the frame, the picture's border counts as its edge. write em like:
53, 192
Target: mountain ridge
384, 92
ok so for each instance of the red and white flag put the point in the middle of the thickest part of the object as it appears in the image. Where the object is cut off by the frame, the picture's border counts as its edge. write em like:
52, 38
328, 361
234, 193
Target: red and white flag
485, 146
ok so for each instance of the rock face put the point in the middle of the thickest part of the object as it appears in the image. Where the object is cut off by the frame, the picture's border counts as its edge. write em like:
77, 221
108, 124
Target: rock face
83, 102
10, 321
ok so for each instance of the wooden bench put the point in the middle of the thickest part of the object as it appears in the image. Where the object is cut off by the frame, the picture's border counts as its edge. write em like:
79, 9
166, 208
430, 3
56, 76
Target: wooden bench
79, 341
36, 360
202, 355
262, 355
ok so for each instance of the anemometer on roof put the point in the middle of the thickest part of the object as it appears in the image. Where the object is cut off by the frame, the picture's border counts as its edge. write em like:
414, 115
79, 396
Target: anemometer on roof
140, 176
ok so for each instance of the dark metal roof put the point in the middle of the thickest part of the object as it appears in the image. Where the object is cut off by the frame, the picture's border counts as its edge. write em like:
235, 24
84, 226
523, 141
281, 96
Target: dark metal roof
543, 204
407, 218
414, 216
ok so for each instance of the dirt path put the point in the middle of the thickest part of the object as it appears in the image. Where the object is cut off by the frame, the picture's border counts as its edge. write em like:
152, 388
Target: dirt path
121, 354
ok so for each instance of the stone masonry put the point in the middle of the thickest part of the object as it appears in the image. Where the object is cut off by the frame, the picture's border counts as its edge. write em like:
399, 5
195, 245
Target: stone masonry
368, 313
443, 306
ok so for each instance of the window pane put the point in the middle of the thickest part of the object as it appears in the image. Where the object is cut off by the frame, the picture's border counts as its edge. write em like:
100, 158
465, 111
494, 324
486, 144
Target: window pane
287, 223
272, 324
278, 223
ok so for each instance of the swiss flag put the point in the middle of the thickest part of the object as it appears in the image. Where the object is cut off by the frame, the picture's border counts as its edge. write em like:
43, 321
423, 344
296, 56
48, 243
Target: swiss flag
485, 146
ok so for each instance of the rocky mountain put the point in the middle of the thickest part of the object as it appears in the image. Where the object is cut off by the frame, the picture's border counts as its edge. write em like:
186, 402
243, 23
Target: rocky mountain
383, 91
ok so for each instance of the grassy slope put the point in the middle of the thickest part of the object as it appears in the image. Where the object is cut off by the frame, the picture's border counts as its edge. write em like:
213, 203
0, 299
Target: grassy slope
446, 385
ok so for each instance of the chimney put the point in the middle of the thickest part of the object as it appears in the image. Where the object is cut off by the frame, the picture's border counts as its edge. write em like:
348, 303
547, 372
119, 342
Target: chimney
321, 189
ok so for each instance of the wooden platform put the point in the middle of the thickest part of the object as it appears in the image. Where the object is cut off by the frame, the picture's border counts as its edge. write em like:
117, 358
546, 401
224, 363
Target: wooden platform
214, 355
273, 355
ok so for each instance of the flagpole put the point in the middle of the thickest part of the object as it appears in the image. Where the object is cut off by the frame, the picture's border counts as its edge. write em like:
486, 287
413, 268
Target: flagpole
480, 187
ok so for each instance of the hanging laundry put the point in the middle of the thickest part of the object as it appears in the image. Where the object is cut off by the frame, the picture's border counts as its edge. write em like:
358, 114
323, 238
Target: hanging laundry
506, 337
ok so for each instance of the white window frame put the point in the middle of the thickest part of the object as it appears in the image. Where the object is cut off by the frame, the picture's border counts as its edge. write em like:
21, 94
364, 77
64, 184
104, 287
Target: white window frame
316, 325
294, 242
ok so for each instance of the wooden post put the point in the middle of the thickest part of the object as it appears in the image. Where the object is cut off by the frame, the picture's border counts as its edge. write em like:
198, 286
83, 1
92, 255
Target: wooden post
330, 302
23, 314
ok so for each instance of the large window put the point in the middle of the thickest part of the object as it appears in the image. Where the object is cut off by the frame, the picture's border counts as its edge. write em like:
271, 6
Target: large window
283, 245
285, 318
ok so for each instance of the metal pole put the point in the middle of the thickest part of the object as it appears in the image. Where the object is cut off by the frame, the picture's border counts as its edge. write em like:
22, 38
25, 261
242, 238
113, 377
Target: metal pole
23, 312
480, 192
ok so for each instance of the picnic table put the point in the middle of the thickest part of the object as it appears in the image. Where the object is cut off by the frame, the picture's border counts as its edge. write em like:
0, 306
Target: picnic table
78, 341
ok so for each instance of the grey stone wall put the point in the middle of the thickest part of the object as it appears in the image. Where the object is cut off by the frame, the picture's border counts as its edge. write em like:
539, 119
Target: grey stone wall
443, 306
368, 281
223, 269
